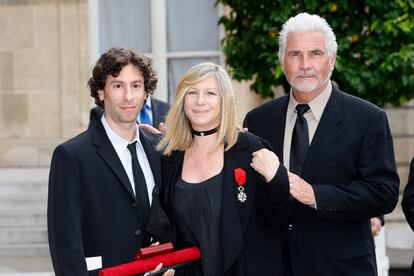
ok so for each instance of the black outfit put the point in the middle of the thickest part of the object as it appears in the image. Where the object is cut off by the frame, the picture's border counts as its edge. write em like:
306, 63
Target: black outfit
408, 203
197, 209
247, 245
92, 210
351, 167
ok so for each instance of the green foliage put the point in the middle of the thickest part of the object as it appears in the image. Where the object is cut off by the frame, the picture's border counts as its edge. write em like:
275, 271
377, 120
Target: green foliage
375, 59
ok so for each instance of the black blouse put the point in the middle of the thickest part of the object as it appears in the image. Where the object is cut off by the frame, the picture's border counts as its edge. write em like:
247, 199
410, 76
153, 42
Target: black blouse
197, 211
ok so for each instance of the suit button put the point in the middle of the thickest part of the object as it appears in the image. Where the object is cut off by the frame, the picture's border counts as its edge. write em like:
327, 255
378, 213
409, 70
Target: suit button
137, 232
290, 227
134, 204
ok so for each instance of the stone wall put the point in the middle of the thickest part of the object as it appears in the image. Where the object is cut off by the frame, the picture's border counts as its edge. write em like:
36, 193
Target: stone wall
399, 236
402, 128
43, 75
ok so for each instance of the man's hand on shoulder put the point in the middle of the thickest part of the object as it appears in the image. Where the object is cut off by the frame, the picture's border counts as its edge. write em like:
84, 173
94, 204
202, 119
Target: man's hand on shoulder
150, 129
301, 190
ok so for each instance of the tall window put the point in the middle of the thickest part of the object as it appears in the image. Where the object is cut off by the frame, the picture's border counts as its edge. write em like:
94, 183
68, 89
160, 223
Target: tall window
125, 23
176, 34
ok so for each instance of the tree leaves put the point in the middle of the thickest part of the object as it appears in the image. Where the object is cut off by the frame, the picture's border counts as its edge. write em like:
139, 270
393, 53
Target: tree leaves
375, 44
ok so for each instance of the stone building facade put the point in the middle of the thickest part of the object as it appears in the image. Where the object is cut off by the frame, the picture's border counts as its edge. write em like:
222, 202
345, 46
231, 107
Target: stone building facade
44, 100
43, 75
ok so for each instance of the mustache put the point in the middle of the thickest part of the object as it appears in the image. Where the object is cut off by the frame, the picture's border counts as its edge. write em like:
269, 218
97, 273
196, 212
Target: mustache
306, 74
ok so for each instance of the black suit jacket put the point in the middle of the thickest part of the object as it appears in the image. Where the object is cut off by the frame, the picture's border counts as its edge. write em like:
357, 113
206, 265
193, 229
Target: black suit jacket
249, 247
408, 202
351, 167
159, 111
91, 205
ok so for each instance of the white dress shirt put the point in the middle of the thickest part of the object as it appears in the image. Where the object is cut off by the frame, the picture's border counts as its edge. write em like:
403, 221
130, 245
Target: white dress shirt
312, 116
120, 145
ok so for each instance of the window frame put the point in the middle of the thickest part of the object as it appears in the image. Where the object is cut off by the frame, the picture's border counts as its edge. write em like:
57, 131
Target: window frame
159, 55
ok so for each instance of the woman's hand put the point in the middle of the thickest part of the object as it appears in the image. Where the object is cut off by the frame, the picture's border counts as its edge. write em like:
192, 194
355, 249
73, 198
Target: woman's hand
168, 272
266, 163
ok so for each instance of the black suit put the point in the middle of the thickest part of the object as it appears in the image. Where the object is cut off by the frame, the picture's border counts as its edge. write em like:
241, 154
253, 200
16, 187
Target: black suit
159, 111
91, 205
351, 167
408, 202
249, 247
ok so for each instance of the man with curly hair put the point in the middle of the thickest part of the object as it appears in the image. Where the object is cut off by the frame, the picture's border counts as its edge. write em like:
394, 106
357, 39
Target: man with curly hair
101, 181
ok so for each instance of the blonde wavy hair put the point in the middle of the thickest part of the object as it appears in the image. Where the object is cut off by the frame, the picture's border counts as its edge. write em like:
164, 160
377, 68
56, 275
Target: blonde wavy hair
178, 136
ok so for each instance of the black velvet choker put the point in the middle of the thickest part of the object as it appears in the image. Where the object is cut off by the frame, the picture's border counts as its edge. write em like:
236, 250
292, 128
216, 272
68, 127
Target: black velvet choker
204, 133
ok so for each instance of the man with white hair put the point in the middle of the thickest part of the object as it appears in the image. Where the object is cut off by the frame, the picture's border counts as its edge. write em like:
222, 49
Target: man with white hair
339, 151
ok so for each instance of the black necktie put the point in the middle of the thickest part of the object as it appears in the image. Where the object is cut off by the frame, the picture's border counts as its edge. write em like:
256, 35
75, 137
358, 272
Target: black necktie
300, 141
141, 192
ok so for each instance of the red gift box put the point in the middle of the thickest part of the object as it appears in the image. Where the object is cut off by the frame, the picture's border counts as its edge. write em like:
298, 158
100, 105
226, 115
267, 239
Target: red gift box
154, 250
148, 264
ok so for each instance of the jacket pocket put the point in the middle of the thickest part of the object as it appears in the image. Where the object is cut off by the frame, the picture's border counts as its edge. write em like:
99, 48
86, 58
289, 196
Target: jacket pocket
354, 250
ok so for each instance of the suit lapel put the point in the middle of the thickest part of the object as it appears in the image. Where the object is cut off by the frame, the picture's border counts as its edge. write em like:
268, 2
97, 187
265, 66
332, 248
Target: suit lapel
234, 214
107, 152
152, 155
325, 136
277, 125
154, 108
155, 113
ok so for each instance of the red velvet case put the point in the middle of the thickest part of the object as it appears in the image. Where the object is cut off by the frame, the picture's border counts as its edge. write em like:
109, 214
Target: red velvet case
148, 264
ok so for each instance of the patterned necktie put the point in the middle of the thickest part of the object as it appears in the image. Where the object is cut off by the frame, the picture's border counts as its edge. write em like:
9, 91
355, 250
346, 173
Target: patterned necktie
145, 116
300, 140
141, 192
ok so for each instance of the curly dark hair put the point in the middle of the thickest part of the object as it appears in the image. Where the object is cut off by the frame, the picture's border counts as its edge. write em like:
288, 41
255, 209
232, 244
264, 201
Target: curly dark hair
112, 62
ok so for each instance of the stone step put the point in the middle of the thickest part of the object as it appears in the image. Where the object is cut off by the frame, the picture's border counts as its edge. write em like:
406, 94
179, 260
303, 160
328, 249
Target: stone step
397, 215
399, 238
400, 258
24, 203
27, 274
29, 218
400, 244
32, 235
24, 195
25, 175
26, 266
30, 249
22, 189
12, 189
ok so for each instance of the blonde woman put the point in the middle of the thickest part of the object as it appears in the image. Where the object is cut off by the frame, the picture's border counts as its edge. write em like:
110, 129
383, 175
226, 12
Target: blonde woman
220, 187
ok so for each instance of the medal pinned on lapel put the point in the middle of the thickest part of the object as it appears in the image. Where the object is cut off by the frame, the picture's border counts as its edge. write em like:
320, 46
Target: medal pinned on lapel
241, 196
240, 176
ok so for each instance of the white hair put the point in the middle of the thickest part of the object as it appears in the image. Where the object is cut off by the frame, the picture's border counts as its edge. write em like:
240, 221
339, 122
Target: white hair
305, 22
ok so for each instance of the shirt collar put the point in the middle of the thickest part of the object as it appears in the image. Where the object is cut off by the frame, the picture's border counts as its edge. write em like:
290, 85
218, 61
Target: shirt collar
119, 143
317, 105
